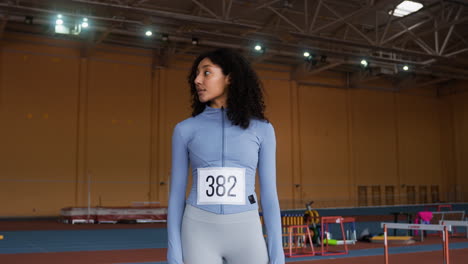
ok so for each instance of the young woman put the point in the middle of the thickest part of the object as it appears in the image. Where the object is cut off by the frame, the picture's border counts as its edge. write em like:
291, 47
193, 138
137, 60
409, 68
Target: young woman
224, 141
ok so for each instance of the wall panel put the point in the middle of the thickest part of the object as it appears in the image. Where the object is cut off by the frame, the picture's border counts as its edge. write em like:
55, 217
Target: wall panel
374, 142
118, 136
461, 144
38, 123
419, 140
278, 111
323, 136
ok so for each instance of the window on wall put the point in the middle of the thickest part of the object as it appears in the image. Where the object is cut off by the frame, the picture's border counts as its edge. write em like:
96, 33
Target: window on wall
411, 194
423, 194
376, 200
389, 195
362, 195
435, 194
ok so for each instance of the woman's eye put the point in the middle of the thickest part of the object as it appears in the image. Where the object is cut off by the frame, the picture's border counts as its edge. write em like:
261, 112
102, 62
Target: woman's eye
207, 73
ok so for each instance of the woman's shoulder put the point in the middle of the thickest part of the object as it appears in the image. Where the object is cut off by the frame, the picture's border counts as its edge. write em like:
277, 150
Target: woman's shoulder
186, 124
261, 125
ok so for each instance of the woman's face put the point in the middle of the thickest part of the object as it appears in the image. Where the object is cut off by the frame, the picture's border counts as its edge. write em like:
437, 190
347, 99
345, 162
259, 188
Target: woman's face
211, 84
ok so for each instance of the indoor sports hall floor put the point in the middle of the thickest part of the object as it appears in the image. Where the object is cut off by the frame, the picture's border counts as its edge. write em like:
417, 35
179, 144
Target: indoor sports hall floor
52, 242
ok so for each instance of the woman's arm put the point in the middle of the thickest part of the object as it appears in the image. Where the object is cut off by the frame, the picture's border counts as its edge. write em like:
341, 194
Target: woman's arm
269, 196
179, 174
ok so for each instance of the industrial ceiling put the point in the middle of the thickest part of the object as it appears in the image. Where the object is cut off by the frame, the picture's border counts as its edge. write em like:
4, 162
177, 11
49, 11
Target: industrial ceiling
432, 42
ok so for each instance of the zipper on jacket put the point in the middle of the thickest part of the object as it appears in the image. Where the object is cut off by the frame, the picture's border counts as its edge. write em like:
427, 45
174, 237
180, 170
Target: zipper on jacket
222, 125
222, 147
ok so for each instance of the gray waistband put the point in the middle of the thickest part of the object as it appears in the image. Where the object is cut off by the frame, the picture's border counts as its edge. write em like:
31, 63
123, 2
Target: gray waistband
200, 215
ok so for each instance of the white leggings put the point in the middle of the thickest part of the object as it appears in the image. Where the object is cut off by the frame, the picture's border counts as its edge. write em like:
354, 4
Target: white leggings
209, 238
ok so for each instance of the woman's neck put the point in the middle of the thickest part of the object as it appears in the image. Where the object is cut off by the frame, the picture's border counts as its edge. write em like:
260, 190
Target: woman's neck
218, 104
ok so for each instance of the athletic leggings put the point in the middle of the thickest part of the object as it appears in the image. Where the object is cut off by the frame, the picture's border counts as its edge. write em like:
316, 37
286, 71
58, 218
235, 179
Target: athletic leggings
209, 238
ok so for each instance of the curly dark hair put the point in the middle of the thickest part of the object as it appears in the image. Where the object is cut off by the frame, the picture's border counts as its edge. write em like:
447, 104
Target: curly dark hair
245, 92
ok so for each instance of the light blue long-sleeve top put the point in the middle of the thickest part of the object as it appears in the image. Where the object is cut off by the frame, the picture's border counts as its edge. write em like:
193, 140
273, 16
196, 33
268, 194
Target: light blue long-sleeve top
211, 140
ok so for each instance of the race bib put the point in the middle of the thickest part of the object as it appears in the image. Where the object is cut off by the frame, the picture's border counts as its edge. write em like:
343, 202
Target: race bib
224, 185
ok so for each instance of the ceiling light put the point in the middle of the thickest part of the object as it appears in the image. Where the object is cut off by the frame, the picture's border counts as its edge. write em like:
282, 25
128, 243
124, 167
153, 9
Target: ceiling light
85, 24
364, 63
258, 47
59, 20
165, 37
194, 41
148, 33
406, 68
61, 29
306, 54
405, 8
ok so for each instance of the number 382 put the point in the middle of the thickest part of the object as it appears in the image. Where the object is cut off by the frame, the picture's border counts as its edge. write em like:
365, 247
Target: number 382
219, 184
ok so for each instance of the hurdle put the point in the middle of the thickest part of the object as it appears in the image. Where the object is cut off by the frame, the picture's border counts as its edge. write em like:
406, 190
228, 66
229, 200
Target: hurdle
443, 228
455, 223
298, 234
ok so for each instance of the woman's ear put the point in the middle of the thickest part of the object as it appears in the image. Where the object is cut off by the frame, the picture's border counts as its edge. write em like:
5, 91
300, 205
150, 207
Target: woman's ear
227, 80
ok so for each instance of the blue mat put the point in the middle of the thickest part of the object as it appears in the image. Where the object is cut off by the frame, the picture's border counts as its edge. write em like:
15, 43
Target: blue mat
81, 240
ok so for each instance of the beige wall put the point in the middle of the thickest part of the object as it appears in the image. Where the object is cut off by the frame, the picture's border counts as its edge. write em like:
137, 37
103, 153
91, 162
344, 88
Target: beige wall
460, 109
108, 118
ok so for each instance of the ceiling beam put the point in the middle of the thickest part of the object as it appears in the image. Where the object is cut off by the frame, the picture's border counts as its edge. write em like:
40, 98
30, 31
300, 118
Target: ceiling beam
418, 40
368, 8
445, 25
449, 34
171, 15
349, 24
202, 6
340, 19
227, 9
205, 20
314, 18
407, 29
286, 19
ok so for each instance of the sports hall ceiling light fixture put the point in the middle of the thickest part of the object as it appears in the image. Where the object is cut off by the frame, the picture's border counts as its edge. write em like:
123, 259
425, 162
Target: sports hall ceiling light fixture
258, 47
364, 63
405, 8
148, 33
85, 23
60, 28
59, 20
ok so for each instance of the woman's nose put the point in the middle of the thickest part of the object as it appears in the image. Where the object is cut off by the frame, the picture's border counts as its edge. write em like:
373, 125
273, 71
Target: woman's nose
198, 79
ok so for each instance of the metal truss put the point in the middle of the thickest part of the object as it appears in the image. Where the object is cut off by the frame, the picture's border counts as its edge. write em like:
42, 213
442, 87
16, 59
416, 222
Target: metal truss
432, 41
